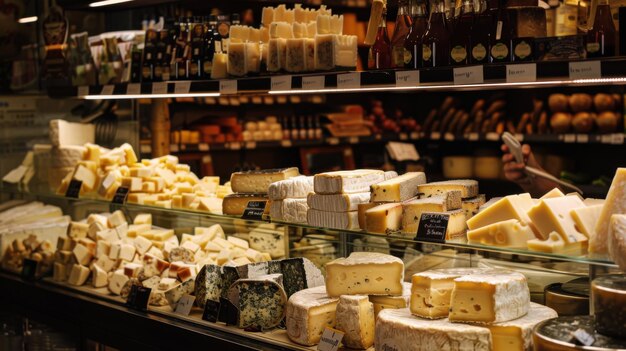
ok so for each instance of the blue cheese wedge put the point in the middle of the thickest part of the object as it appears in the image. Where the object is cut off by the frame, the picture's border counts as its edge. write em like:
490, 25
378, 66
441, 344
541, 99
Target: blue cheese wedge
261, 301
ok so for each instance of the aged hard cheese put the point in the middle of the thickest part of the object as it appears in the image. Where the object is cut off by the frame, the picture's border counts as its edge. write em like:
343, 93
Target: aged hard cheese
384, 219
518, 334
337, 202
235, 204
382, 302
365, 273
509, 207
615, 204
472, 206
468, 188
456, 224
412, 210
586, 219
553, 215
617, 240
489, 297
355, 317
398, 189
309, 312
357, 181
259, 181
511, 233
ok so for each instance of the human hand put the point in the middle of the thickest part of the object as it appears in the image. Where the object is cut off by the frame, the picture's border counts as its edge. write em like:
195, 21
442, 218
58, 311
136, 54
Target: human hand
513, 170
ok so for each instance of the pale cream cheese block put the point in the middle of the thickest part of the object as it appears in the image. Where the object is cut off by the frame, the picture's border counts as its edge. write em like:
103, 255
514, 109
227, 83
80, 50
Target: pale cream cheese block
398, 329
489, 297
347, 182
617, 240
382, 302
553, 215
556, 244
64, 133
355, 317
517, 335
289, 210
509, 207
335, 220
399, 188
615, 204
337, 202
365, 273
384, 219
511, 233
235, 204
468, 188
296, 187
586, 218
456, 229
309, 312
259, 181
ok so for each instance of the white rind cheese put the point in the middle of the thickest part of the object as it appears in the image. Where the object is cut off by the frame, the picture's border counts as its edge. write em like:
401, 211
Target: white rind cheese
347, 182
337, 202
336, 220
355, 317
64, 133
309, 312
398, 189
259, 181
296, 187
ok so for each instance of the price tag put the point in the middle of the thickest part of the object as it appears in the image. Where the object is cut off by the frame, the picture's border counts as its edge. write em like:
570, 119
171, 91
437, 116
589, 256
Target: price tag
29, 269
448, 137
349, 80
159, 88
251, 145
138, 297
583, 337
402, 151
235, 146
582, 138
133, 89
330, 340
492, 136
617, 139
107, 89
403, 136
521, 73
285, 143
174, 148
83, 90
333, 141
415, 135
606, 139
313, 82
182, 87
468, 75
228, 87
281, 83
435, 135
353, 140
211, 311
185, 304
120, 195
569, 138
73, 189
433, 227
407, 78
472, 137
254, 210
585, 70
203, 147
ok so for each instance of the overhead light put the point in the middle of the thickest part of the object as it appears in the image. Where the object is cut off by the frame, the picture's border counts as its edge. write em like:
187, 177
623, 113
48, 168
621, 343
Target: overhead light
30, 19
107, 3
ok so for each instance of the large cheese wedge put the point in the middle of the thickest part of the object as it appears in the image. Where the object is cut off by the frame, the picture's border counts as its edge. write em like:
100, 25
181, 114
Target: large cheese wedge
511, 233
337, 202
509, 207
617, 240
412, 210
556, 244
586, 219
258, 181
553, 215
489, 297
468, 188
309, 312
347, 182
615, 204
365, 273
518, 334
355, 317
399, 188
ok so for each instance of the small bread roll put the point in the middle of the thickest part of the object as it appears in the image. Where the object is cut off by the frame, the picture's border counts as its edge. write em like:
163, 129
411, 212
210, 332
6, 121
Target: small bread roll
558, 103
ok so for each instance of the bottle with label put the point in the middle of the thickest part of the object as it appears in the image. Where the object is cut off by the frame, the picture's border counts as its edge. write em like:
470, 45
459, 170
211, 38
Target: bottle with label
460, 40
601, 36
149, 54
223, 28
413, 42
436, 41
479, 54
380, 52
196, 43
500, 40
399, 56
168, 63
181, 49
161, 46
208, 48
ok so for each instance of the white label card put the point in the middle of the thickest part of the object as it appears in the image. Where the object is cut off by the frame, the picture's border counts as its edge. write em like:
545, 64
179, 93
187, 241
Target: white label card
492, 136
203, 147
585, 70
185, 304
402, 151
83, 90
521, 73
569, 138
107, 89
468, 75
330, 340
159, 88
472, 136
582, 138
281, 83
583, 337
228, 86
435, 135
313, 83
403, 136
333, 141
407, 78
349, 80
182, 87
133, 89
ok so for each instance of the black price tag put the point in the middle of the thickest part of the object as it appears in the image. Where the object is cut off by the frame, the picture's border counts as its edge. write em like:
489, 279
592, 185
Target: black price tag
211, 311
138, 297
120, 195
29, 269
73, 189
433, 227
254, 210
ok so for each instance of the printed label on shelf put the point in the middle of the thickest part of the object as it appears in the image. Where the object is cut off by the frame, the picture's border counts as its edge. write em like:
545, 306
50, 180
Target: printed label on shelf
29, 269
582, 138
349, 80
472, 136
235, 146
448, 137
73, 189
120, 195
492, 136
433, 227
254, 210
228, 86
402, 151
415, 135
159, 88
435, 135
174, 148
585, 70
281, 83
330, 340
403, 136
583, 337
184, 305
203, 147
138, 297
617, 139
313, 82
333, 141
569, 138
407, 78
107, 89
83, 90
606, 139
468, 75
251, 145
182, 87
133, 89
521, 73
285, 143
353, 140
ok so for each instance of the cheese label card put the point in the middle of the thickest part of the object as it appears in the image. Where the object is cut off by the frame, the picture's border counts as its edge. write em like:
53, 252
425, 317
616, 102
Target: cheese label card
73, 189
107, 89
211, 311
330, 340
407, 78
521, 73
585, 70
228, 87
468, 75
182, 87
83, 90
29, 269
133, 89
138, 297
120, 195
432, 227
185, 304
254, 210
581, 336
281, 83
313, 82
349, 80
159, 88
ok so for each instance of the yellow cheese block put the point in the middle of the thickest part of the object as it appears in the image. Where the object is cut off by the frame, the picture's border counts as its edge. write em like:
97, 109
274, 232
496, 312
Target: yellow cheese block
509, 207
511, 233
556, 244
553, 215
615, 204
384, 219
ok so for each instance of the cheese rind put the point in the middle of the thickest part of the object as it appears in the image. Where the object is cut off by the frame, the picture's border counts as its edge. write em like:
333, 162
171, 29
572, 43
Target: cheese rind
355, 317
615, 204
337, 202
347, 182
64, 133
309, 312
412, 210
518, 334
336, 220
296, 187
399, 188
511, 233
468, 188
617, 240
365, 273
235, 204
259, 181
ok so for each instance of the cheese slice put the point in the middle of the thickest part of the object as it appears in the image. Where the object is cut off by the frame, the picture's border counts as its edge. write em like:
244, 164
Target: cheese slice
362, 209
553, 215
586, 219
384, 219
78, 275
511, 233
509, 207
517, 335
398, 189
64, 133
259, 181
489, 297
365, 273
309, 312
347, 182
468, 188
556, 192
296, 187
336, 220
615, 204
412, 210
472, 206
337, 202
617, 240
382, 302
355, 317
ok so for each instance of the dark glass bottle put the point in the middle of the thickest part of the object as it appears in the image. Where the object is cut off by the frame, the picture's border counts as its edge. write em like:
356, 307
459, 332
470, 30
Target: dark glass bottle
460, 40
436, 41
413, 42
601, 36
402, 28
500, 40
480, 35
208, 49
149, 53
161, 46
168, 63
380, 52
181, 49
196, 42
